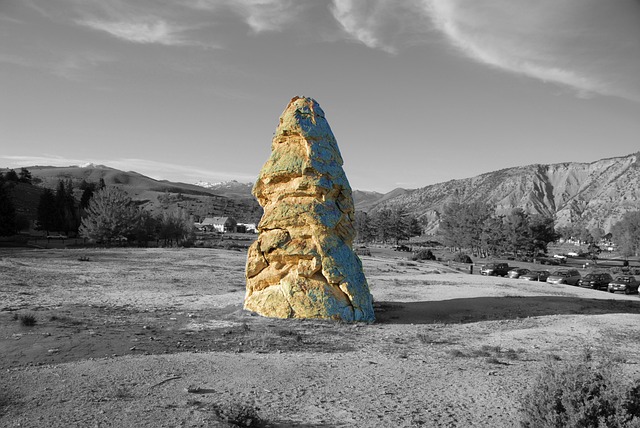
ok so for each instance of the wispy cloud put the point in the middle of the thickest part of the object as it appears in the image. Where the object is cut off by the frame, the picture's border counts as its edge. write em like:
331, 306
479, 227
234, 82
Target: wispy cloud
259, 15
501, 38
168, 26
70, 66
74, 66
149, 31
150, 168
15, 60
382, 24
4, 18
581, 44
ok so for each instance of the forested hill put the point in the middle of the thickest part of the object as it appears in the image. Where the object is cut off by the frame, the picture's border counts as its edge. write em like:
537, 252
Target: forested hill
153, 195
597, 193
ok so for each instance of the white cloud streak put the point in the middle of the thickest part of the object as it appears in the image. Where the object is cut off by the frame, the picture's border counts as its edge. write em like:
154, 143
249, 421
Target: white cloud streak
74, 66
383, 24
146, 32
259, 15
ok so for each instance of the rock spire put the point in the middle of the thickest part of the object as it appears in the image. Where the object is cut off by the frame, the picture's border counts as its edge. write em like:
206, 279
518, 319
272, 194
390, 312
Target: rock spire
302, 265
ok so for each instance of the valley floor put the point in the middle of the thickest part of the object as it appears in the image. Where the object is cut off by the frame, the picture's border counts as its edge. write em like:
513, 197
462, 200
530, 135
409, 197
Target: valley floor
156, 337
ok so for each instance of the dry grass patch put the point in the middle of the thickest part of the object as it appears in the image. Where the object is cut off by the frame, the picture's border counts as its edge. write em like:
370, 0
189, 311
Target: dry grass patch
26, 320
493, 354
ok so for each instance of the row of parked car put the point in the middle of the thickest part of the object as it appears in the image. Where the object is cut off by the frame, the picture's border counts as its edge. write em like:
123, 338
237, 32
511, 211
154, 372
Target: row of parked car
598, 281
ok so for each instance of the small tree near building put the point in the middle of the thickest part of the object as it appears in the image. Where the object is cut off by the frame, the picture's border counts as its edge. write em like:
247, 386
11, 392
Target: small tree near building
111, 216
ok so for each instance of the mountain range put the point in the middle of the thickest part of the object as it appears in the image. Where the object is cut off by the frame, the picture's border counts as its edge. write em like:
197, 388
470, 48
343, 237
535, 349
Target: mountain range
596, 193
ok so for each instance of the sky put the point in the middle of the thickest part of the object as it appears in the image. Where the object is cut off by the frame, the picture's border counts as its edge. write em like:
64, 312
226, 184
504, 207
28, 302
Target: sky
416, 92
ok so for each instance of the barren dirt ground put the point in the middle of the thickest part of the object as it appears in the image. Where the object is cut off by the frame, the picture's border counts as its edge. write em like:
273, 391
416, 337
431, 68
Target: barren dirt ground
158, 338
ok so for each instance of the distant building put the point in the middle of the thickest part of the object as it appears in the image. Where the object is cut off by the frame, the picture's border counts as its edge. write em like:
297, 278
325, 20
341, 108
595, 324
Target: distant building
247, 228
219, 224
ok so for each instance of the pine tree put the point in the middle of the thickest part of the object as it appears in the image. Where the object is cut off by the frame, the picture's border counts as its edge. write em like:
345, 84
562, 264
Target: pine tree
47, 211
11, 175
517, 232
66, 217
542, 232
87, 194
7, 212
363, 227
24, 176
492, 236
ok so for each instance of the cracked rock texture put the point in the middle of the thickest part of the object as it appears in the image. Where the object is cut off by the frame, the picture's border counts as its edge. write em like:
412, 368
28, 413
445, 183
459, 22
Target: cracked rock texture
302, 265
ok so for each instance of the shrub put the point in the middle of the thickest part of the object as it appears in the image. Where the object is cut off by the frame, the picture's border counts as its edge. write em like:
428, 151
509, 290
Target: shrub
6, 399
582, 393
462, 258
27, 320
423, 254
239, 415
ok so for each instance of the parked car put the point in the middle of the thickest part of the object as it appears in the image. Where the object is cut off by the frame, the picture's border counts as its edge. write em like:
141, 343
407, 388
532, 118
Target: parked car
362, 250
596, 281
565, 276
517, 272
536, 275
495, 269
402, 248
627, 283
561, 257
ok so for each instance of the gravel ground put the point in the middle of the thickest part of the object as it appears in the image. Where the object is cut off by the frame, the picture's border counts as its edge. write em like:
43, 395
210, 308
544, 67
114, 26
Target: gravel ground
157, 338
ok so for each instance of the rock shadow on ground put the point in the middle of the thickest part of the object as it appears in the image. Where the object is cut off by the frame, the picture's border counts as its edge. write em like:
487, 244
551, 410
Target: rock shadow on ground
496, 308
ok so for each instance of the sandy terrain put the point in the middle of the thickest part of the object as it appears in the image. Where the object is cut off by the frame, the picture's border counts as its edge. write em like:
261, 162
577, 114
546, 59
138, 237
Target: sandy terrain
157, 338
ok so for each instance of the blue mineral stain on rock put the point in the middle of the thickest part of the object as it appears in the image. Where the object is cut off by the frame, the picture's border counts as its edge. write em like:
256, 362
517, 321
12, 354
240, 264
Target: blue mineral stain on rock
327, 215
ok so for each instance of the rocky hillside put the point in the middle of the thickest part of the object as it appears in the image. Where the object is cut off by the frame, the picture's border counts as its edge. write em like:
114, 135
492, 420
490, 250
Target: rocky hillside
598, 192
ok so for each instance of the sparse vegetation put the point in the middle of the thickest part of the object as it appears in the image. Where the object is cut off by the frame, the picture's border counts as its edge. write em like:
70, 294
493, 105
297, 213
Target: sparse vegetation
493, 354
239, 414
439, 339
122, 392
423, 254
462, 258
5, 400
581, 393
28, 320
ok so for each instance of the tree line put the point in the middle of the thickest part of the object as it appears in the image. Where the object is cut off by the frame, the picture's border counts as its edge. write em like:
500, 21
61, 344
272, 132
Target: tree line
10, 221
104, 214
113, 217
386, 225
58, 211
477, 227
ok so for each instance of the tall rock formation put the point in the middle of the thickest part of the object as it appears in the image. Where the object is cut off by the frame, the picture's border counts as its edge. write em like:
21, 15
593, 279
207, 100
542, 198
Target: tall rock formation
302, 265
